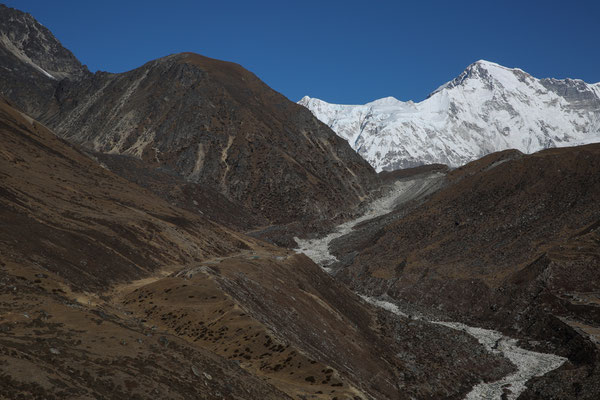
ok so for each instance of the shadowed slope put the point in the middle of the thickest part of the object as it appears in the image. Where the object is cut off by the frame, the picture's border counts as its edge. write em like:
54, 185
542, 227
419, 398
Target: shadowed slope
510, 242
109, 291
64, 212
216, 124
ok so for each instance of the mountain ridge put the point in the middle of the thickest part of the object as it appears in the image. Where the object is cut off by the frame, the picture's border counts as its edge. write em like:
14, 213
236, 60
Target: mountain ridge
33, 63
487, 108
212, 122
213, 127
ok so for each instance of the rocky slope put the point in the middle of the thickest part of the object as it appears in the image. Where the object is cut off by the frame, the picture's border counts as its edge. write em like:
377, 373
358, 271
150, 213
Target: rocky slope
32, 63
62, 211
70, 230
487, 108
172, 187
510, 242
211, 122
108, 291
218, 125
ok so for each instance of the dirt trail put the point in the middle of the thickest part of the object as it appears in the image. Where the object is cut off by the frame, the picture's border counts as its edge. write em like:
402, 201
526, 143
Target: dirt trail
119, 291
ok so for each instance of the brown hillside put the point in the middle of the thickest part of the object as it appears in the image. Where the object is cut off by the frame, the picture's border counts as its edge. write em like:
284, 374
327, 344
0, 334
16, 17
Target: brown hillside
65, 213
108, 291
216, 124
511, 242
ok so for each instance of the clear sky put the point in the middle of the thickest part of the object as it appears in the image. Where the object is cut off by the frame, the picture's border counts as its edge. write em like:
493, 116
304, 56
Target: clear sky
340, 51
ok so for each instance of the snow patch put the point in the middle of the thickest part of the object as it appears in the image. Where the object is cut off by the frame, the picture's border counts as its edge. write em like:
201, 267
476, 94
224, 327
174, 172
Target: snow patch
20, 54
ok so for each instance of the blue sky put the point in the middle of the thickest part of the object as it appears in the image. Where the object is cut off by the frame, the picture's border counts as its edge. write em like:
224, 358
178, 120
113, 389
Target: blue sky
341, 51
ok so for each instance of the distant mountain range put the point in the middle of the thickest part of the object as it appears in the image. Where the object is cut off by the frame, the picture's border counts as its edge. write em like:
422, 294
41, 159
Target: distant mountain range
487, 108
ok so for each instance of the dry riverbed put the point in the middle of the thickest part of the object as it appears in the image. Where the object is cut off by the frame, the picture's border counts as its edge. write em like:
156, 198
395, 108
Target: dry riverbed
529, 364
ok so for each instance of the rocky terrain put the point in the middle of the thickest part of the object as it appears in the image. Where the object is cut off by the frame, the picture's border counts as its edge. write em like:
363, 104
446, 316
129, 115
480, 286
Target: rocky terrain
172, 187
510, 242
183, 231
33, 63
221, 127
211, 122
485, 109
63, 211
70, 230
109, 291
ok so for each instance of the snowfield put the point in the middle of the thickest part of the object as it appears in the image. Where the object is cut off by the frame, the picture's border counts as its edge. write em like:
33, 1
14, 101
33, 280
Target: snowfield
487, 108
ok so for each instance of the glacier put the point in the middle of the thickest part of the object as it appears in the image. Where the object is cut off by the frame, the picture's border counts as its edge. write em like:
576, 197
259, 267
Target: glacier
487, 108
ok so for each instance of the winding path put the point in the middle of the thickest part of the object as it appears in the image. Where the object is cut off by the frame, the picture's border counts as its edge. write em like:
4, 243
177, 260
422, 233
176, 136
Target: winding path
529, 363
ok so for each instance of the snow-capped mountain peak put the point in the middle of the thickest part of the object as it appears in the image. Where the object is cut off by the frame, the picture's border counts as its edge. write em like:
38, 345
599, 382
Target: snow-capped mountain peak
487, 108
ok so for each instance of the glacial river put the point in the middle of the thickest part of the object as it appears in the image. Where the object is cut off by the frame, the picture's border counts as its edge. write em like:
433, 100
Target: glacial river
529, 363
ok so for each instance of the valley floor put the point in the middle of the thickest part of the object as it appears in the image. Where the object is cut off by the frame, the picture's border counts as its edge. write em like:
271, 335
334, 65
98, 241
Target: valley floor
529, 363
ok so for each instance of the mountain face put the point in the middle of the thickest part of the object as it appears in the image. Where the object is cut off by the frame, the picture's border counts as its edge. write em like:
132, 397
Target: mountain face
107, 291
33, 62
218, 125
211, 122
83, 222
485, 109
510, 241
